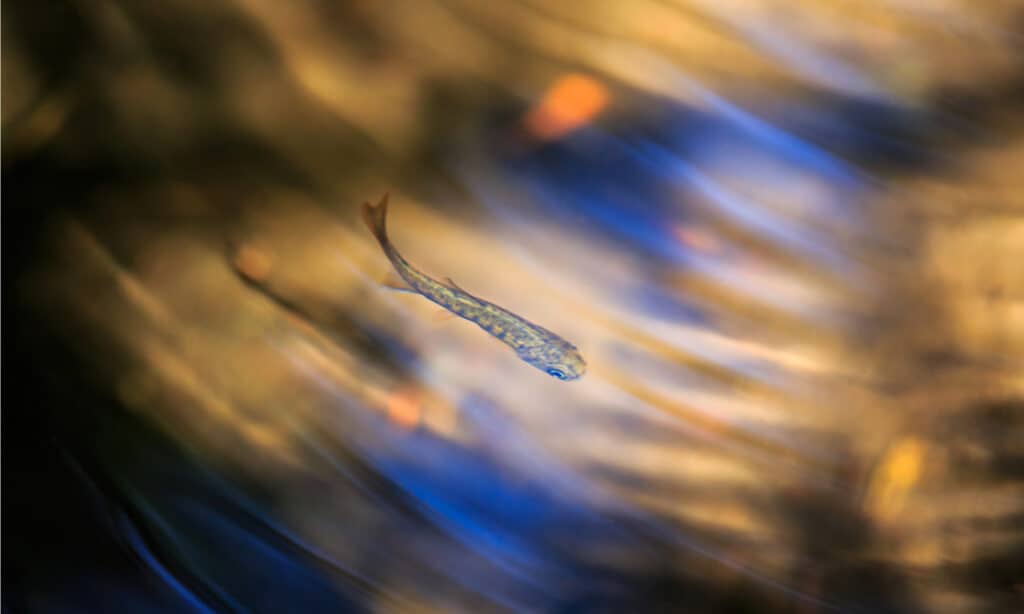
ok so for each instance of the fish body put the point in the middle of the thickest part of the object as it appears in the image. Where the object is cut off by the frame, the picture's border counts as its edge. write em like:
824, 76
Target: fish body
533, 344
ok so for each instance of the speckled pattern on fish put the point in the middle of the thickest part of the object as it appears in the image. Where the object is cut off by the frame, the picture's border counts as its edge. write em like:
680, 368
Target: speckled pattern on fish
533, 344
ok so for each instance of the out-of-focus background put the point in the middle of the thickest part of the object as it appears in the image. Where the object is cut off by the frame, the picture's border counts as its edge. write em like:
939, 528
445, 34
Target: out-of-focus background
788, 237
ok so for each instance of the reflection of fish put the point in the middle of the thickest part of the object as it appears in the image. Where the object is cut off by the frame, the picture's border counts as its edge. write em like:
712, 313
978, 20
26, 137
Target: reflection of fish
536, 345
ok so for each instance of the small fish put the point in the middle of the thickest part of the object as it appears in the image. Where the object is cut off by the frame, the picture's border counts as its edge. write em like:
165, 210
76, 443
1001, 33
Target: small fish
533, 344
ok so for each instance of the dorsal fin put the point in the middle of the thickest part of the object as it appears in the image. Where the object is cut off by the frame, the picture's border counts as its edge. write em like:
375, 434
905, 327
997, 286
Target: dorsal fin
454, 286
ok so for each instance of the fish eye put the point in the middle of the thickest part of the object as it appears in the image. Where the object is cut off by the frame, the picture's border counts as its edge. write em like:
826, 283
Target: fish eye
556, 373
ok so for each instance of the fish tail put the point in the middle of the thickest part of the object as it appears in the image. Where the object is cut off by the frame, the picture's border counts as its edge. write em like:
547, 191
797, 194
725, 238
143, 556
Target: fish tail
375, 217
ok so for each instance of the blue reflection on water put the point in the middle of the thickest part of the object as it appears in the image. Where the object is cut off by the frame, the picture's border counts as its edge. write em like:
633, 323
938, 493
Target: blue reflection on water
528, 523
627, 186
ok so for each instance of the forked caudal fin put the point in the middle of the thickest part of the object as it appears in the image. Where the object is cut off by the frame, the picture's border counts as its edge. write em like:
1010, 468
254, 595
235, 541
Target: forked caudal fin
375, 218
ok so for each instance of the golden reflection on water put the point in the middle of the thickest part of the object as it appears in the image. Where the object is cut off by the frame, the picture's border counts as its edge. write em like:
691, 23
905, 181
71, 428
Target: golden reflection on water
792, 339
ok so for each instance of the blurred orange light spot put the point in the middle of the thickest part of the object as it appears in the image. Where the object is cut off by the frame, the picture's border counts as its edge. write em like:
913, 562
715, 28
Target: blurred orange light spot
572, 101
253, 262
696, 238
404, 408
896, 475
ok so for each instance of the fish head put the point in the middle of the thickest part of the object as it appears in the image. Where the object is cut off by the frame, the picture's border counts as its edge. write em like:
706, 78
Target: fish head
558, 358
